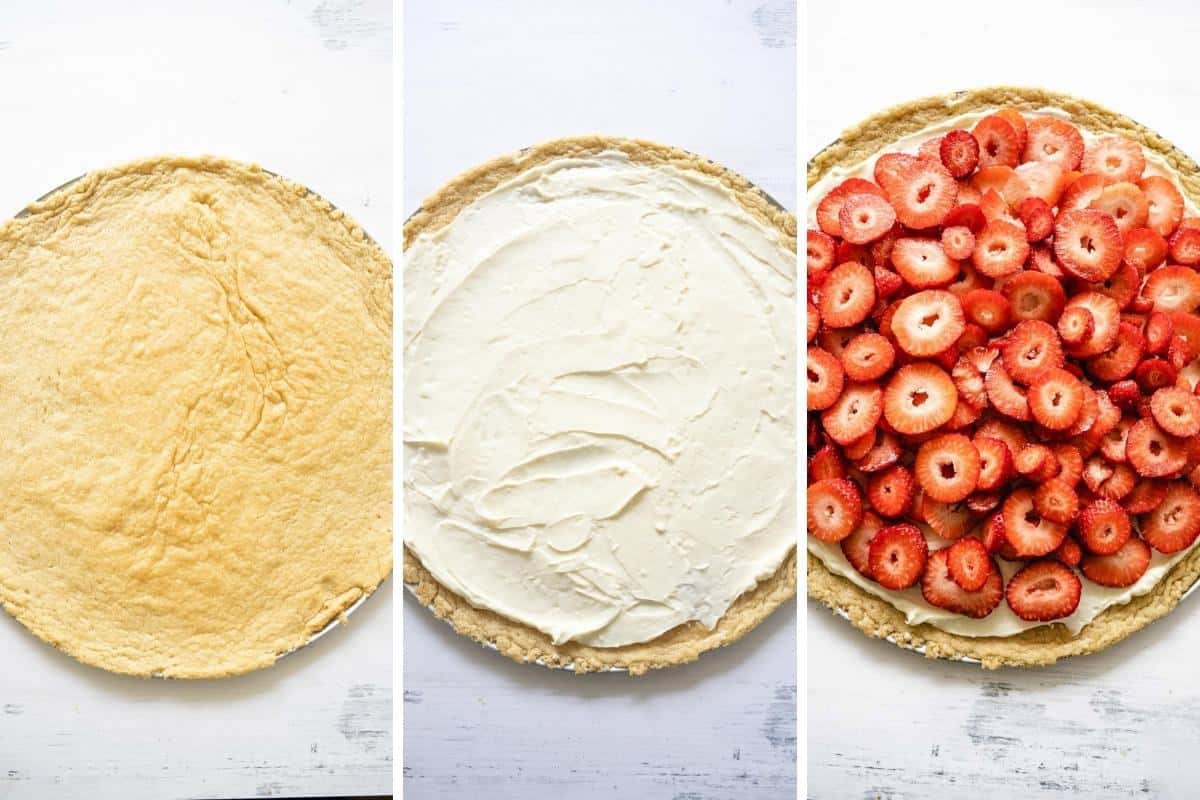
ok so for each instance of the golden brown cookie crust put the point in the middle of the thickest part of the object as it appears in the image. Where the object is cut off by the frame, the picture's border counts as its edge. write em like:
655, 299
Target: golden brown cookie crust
178, 447
876, 617
521, 642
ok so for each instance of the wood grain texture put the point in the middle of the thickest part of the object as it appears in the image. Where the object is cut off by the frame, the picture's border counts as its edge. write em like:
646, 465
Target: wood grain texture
94, 84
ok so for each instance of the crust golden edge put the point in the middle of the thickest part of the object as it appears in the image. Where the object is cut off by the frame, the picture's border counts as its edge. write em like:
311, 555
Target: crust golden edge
875, 617
523, 643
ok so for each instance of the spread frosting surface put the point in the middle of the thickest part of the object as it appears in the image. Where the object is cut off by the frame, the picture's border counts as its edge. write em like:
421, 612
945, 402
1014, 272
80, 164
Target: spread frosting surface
1001, 622
599, 362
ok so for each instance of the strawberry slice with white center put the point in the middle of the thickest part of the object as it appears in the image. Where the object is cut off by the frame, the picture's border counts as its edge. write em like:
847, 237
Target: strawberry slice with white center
959, 153
1145, 249
897, 556
1114, 158
1106, 320
1035, 295
940, 590
1104, 527
1173, 288
1044, 590
1125, 203
921, 191
1125, 567
923, 263
820, 252
958, 242
857, 546
998, 142
1000, 249
1044, 180
1184, 245
919, 398
1055, 399
1004, 395
1081, 192
1165, 204
1175, 523
890, 492
1152, 452
1087, 244
1176, 410
969, 563
947, 468
868, 357
1075, 325
855, 414
825, 379
1032, 347
995, 463
847, 296
1030, 534
1057, 501
928, 322
865, 218
1056, 141
830, 207
834, 509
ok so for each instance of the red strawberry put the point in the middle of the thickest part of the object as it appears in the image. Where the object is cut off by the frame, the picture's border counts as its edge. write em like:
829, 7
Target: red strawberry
1036, 461
1082, 193
1145, 249
921, 191
995, 463
958, 242
1165, 204
1070, 463
1173, 288
1153, 374
887, 283
1000, 249
1043, 591
865, 218
1055, 398
923, 263
825, 379
855, 414
1176, 410
820, 251
940, 590
1122, 286
847, 296
826, 464
1036, 295
897, 556
1124, 567
1106, 320
1029, 533
1054, 140
998, 142
1068, 553
1179, 351
1153, 453
1159, 330
1031, 348
1125, 203
1147, 495
968, 375
1037, 217
947, 468
928, 322
1104, 527
1122, 359
882, 455
813, 320
959, 153
1175, 523
919, 398
991, 533
831, 205
1075, 325
890, 492
948, 520
987, 309
984, 503
1041, 258
1014, 118
968, 563
931, 148
857, 546
1056, 501
1184, 245
1087, 244
1114, 158
1004, 395
834, 509
967, 215
868, 357
1036, 179
1112, 444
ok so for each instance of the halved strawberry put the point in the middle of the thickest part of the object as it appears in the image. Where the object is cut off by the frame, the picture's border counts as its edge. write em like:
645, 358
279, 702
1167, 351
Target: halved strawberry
1054, 140
967, 215
826, 463
995, 463
958, 242
919, 398
1030, 348
1125, 203
1175, 523
1146, 496
1004, 395
1106, 321
1075, 325
969, 563
1069, 553
890, 492
1055, 398
921, 191
1159, 330
1165, 204
928, 322
825, 379
947, 468
847, 296
897, 556
1124, 567
1114, 158
1044, 590
1122, 359
940, 590
1145, 249
1153, 453
868, 357
1176, 410
1087, 244
1056, 501
1184, 245
1104, 527
1000, 249
987, 309
1173, 288
857, 546
855, 414
959, 152
831, 205
1081, 193
923, 263
820, 251
834, 509
865, 217
998, 141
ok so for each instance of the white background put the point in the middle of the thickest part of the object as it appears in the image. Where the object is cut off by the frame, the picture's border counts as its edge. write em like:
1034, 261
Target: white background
304, 90
886, 724
482, 79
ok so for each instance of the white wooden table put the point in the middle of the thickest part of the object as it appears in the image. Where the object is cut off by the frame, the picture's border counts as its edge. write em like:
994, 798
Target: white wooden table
304, 89
486, 78
883, 723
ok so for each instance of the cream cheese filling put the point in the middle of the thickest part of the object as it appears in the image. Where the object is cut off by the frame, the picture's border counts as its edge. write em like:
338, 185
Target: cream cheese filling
1001, 622
599, 419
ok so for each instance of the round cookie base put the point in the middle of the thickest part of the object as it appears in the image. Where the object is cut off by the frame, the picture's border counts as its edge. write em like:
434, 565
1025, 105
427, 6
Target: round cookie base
524, 643
1041, 646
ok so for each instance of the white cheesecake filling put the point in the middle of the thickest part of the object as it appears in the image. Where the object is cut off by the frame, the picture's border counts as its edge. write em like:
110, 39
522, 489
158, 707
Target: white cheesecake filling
599, 420
1001, 622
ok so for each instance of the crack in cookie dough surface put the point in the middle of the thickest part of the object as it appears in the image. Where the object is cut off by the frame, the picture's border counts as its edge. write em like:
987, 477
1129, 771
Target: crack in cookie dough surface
196, 417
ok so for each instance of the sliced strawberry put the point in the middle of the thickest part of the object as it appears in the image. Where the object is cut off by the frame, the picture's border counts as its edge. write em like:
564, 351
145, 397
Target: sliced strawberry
931, 148
958, 242
865, 218
847, 296
890, 492
998, 141
834, 509
967, 215
897, 556
1153, 374
1004, 395
948, 520
969, 563
1159, 330
984, 502
1037, 179
1036, 462
995, 207
861, 446
1036, 295
1114, 158
968, 375
1112, 444
1069, 553
1037, 217
868, 357
1176, 410
923, 263
940, 590
1055, 399
1184, 245
1054, 140
857, 546
1028, 532
1173, 288
919, 398
921, 191
826, 464
928, 322
1043, 591
947, 468
1145, 249
1087, 244
1000, 249
1014, 118
1082, 193
848, 251
958, 152
1165, 204
885, 452
825, 379
1106, 319
991, 533
1104, 527
1030, 348
1122, 286
1179, 352
1070, 463
1175, 523
1124, 567
1122, 359
995, 463
1119, 483
1125, 203
813, 321
820, 251
987, 309
855, 414
1056, 501
831, 205
1146, 496
1153, 453
1075, 325
967, 280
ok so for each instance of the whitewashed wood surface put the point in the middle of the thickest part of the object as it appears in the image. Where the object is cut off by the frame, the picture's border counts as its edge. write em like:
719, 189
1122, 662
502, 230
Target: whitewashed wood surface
887, 724
304, 88
486, 78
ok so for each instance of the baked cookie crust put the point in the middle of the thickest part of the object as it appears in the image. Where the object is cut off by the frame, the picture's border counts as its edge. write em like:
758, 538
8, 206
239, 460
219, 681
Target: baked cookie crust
1043, 645
521, 642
